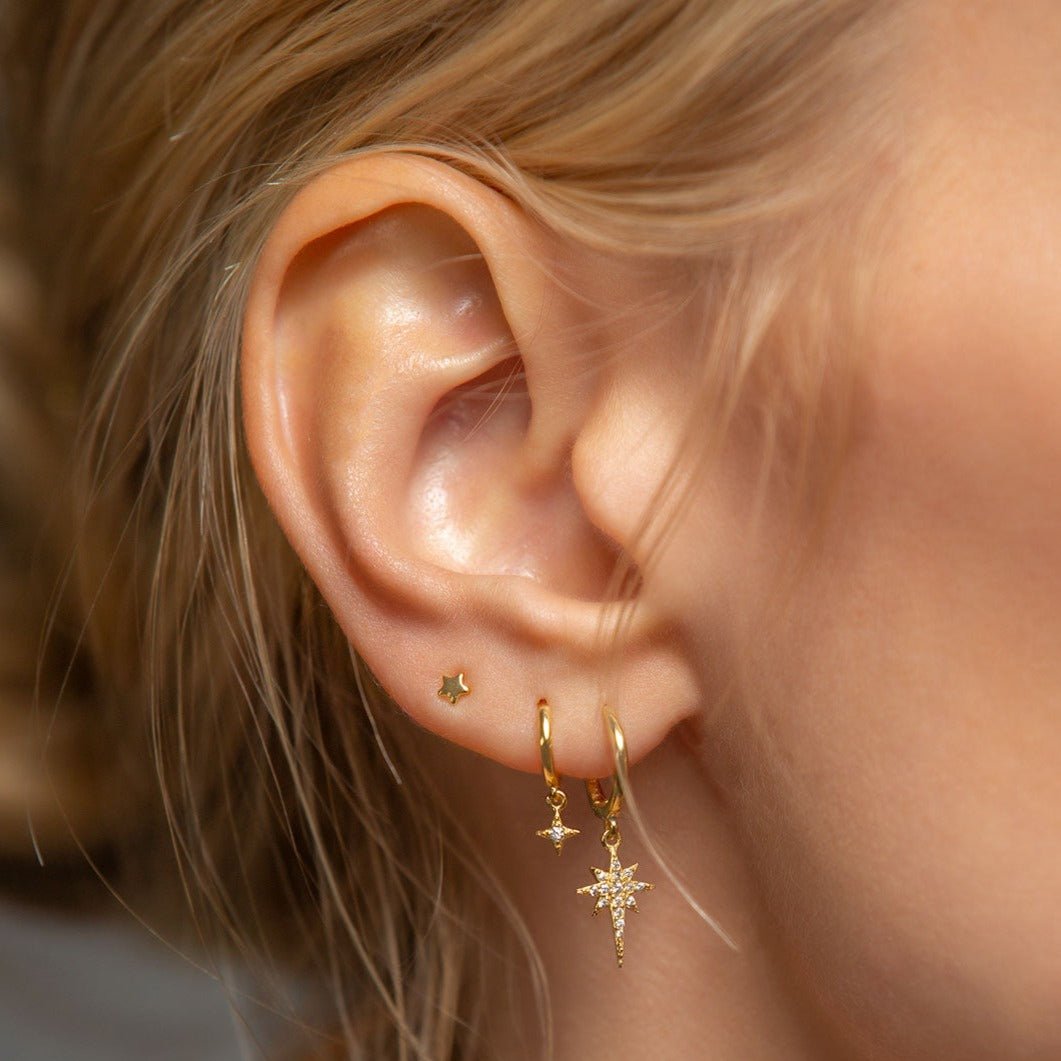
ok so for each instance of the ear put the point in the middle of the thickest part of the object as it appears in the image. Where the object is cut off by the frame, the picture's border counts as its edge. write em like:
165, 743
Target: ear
449, 460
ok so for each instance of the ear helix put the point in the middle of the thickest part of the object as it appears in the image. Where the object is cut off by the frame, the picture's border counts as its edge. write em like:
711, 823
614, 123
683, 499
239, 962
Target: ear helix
557, 832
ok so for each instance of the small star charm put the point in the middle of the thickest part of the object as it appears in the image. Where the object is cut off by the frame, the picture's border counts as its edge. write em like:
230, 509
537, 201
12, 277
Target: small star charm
557, 832
453, 688
616, 890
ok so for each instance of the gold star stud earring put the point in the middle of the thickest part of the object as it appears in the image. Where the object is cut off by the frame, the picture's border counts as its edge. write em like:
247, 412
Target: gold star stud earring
615, 888
453, 688
557, 832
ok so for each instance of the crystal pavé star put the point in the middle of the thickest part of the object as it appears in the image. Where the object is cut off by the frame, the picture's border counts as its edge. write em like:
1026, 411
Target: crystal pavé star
617, 890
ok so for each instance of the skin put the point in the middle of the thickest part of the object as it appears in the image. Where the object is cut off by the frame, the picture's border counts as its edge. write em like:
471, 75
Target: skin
862, 787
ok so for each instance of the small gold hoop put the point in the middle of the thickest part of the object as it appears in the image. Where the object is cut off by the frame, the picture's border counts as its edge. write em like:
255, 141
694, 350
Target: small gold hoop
608, 807
545, 744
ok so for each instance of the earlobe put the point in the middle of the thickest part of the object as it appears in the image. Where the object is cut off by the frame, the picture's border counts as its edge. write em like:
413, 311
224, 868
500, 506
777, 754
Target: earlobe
411, 402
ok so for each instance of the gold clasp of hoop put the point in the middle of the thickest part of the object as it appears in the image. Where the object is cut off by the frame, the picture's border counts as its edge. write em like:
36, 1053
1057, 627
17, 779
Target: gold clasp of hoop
545, 745
607, 807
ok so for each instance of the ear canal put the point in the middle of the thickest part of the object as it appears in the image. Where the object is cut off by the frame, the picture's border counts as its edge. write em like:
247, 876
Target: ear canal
481, 502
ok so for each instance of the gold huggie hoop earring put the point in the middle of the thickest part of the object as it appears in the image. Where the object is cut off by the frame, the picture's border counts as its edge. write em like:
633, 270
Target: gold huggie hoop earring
557, 832
615, 887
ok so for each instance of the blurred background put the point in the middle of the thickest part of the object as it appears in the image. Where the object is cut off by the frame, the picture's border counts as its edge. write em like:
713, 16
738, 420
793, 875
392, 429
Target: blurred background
80, 979
79, 984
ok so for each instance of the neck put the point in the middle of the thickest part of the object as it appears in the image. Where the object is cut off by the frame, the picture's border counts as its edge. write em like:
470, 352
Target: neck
682, 991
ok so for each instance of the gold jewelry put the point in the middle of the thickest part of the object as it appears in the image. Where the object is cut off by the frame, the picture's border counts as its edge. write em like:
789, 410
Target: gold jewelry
453, 688
615, 887
557, 832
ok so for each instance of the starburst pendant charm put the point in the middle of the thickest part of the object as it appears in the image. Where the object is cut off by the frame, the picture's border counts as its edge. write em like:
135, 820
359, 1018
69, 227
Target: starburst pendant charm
616, 891
557, 832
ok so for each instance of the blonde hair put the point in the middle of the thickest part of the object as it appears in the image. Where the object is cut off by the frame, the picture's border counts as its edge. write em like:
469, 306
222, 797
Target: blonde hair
153, 145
